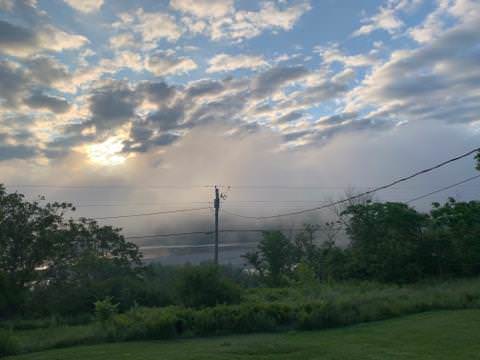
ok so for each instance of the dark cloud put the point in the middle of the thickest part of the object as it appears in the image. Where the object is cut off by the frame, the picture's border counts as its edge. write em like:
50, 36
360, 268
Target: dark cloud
46, 70
113, 105
13, 81
157, 92
42, 101
167, 118
204, 88
13, 36
273, 79
338, 118
10, 152
291, 116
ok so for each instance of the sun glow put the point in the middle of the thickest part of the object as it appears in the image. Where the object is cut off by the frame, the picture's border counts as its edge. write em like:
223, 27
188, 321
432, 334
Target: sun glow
107, 153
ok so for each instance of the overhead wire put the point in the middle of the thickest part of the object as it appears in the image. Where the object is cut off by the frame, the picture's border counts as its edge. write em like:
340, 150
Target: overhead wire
362, 194
209, 232
442, 189
152, 213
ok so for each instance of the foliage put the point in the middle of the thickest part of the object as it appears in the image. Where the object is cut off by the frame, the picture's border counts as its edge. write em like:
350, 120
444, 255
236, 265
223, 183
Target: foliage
385, 241
441, 335
41, 253
205, 285
105, 309
8, 344
265, 309
275, 258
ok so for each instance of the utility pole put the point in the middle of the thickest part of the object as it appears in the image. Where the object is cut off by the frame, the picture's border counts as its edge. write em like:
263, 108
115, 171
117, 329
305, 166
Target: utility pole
216, 204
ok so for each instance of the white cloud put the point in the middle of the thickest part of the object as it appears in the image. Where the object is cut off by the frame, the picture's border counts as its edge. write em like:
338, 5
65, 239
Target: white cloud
86, 6
225, 62
122, 40
204, 8
152, 26
162, 64
387, 17
244, 24
123, 59
435, 22
52, 38
332, 54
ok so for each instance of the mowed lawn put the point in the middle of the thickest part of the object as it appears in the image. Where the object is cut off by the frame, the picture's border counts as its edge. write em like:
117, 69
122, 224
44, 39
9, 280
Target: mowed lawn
434, 335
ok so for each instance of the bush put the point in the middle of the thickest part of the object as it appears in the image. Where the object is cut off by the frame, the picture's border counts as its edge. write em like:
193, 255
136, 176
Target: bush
205, 285
105, 309
8, 344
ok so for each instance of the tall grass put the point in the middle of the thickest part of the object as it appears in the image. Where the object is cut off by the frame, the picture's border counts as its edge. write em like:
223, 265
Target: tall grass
265, 310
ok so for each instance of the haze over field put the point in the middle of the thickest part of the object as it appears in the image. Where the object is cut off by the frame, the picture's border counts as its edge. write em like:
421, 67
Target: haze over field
127, 107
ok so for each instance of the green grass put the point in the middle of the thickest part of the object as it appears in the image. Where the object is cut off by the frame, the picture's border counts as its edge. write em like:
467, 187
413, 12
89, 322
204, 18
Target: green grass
434, 335
315, 308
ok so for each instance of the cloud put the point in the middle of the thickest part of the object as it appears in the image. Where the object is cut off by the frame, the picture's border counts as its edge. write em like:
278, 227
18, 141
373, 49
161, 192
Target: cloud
39, 100
225, 62
157, 92
268, 82
86, 6
163, 64
151, 26
245, 24
437, 81
112, 104
123, 60
387, 17
10, 152
13, 81
46, 70
122, 40
16, 40
204, 8
333, 54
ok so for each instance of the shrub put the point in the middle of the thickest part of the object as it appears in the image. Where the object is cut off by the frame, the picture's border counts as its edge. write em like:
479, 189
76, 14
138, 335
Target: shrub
8, 344
205, 285
105, 309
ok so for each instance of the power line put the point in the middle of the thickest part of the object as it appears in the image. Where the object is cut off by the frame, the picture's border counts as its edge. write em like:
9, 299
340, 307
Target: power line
383, 187
209, 232
102, 187
187, 246
152, 213
139, 204
443, 189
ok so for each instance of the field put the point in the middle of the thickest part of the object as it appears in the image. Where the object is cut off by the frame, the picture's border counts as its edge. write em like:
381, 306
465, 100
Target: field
433, 335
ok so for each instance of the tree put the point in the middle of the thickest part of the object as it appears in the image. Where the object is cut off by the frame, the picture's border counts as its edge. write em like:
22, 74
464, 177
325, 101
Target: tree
40, 249
385, 240
206, 285
274, 259
28, 233
456, 226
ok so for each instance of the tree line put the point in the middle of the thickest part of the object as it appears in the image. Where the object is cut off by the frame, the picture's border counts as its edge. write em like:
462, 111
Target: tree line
51, 264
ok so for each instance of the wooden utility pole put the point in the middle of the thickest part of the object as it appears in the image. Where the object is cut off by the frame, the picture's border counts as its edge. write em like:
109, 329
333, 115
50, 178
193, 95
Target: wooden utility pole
216, 204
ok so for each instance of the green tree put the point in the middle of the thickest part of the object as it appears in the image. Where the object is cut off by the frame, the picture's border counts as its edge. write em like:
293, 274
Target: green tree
385, 240
275, 258
40, 249
456, 229
28, 234
206, 285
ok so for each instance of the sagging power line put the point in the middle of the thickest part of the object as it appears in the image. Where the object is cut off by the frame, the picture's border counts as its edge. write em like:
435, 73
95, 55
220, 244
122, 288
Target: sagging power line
152, 213
365, 193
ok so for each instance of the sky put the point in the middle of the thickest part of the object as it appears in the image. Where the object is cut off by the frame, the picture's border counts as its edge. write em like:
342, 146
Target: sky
135, 106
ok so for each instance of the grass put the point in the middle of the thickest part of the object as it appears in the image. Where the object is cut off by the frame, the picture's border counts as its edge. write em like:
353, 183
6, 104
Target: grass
434, 335
335, 305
